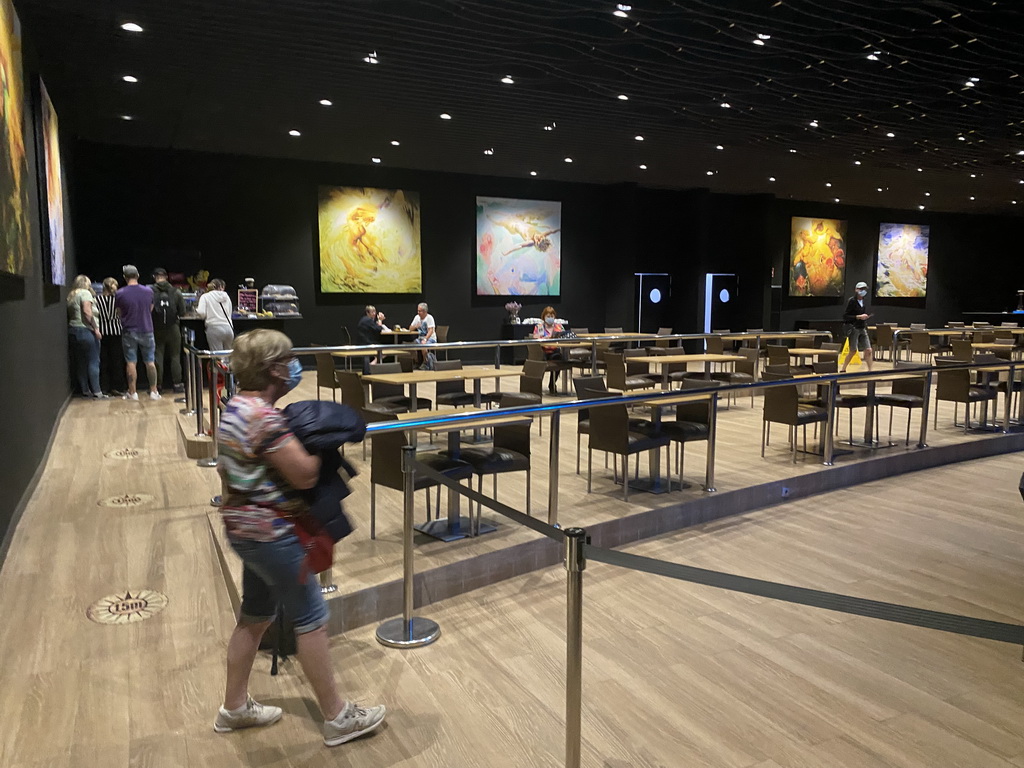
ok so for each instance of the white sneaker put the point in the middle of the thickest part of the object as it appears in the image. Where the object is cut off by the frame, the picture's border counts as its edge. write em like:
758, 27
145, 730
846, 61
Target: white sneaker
251, 715
154, 395
130, 396
352, 722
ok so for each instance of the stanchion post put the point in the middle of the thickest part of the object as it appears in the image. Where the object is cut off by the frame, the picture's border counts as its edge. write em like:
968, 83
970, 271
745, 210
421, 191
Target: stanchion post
327, 587
408, 631
1006, 403
593, 357
197, 397
186, 342
829, 438
926, 407
709, 475
211, 460
553, 470
575, 564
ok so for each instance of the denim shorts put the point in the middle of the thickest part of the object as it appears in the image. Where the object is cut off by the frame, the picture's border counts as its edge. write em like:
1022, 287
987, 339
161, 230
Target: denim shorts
858, 338
270, 577
131, 341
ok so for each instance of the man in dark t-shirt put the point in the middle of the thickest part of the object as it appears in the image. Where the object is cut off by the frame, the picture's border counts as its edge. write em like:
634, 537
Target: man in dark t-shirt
368, 331
134, 304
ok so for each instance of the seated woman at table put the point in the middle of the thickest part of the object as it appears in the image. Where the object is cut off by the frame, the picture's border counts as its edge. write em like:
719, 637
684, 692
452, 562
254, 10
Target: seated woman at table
546, 329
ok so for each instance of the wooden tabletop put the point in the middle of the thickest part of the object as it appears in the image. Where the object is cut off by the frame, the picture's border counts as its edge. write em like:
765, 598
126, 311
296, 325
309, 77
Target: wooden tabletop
494, 421
617, 335
764, 335
813, 351
670, 358
399, 333
675, 400
991, 345
357, 353
459, 374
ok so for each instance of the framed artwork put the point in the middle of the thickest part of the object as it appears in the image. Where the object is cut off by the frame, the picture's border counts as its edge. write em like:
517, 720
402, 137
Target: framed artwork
15, 240
901, 270
54, 235
817, 265
518, 247
369, 240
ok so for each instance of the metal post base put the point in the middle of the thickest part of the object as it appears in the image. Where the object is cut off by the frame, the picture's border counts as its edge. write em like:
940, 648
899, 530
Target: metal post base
328, 589
210, 462
415, 633
187, 412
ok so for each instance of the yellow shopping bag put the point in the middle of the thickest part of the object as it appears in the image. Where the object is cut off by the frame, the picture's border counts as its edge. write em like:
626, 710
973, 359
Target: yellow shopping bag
845, 352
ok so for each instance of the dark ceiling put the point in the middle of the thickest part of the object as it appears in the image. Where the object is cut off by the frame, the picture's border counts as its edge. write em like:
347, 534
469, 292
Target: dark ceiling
871, 102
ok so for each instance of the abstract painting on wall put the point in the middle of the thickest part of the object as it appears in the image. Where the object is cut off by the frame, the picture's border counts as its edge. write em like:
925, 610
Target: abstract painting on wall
54, 187
518, 247
15, 242
369, 240
902, 268
817, 264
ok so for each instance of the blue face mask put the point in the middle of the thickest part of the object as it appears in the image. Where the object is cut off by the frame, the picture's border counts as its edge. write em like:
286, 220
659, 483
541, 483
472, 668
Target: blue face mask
294, 374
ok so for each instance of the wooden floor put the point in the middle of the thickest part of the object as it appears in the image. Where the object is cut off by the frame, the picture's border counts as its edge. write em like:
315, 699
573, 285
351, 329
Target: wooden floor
674, 674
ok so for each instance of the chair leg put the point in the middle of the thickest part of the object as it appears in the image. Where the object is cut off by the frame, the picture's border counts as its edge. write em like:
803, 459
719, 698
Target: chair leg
909, 412
577, 452
428, 507
625, 476
373, 510
891, 409
764, 428
528, 512
590, 467
792, 441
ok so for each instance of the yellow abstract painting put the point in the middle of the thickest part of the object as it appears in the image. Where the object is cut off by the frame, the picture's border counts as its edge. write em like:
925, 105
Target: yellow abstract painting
369, 240
817, 264
54, 187
15, 242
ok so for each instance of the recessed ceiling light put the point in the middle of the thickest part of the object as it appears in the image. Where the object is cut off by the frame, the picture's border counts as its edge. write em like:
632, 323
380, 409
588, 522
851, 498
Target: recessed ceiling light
761, 36
568, 159
533, 173
1021, 181
793, 151
643, 167
758, 41
375, 159
828, 183
920, 170
814, 123
130, 79
638, 137
445, 116
326, 103
960, 138
489, 151
719, 146
927, 194
891, 135
395, 142
879, 189
725, 105
371, 58
856, 162
872, 57
507, 80
974, 175
835, 199
920, 207
1013, 202
711, 173
622, 97
127, 117
294, 132
620, 14
975, 79
131, 26
771, 178
972, 197
1021, 152
968, 84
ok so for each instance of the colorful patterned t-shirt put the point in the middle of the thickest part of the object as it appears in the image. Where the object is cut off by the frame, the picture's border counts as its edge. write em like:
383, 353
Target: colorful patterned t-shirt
257, 500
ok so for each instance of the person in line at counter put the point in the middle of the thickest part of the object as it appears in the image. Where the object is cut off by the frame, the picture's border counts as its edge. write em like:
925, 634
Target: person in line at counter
168, 306
215, 308
424, 324
856, 327
368, 331
111, 355
546, 329
263, 468
84, 335
134, 305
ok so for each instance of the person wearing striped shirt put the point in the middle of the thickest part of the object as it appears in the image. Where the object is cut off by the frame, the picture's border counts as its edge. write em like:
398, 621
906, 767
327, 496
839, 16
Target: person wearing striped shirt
112, 381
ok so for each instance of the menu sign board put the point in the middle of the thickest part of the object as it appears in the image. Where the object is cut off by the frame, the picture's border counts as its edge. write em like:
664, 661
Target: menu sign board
248, 300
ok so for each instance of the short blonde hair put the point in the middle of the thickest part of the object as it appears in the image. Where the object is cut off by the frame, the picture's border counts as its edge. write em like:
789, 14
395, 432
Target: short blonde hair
253, 353
109, 286
82, 282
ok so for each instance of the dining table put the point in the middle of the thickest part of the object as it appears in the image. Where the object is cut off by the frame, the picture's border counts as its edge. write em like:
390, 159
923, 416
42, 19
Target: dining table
666, 361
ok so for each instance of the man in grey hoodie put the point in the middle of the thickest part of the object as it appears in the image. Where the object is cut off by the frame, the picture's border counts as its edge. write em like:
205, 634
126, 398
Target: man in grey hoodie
168, 307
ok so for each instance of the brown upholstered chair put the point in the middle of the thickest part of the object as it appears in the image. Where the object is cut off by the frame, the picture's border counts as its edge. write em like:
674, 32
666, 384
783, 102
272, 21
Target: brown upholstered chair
778, 354
690, 425
451, 393
845, 401
639, 370
394, 394
557, 366
617, 378
782, 406
610, 432
955, 386
588, 388
744, 371
386, 470
325, 375
906, 393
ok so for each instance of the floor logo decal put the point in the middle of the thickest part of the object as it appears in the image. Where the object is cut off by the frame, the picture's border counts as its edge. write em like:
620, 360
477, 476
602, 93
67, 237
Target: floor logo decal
128, 608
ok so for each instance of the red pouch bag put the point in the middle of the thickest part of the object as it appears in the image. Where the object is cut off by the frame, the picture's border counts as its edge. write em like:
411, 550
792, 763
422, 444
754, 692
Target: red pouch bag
317, 543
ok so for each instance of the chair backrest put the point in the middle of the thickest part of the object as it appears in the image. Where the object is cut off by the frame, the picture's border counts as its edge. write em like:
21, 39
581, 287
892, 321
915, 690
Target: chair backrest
755, 330
379, 389
609, 428
953, 385
985, 338
825, 366
587, 386
954, 324
325, 370
386, 458
664, 331
1007, 325
920, 342
781, 403
917, 326
804, 342
833, 345
883, 336
776, 372
720, 330
697, 412
514, 437
962, 349
535, 352
1002, 335
778, 354
714, 345
441, 332
613, 330
616, 370
449, 387
634, 368
748, 363
914, 386
532, 378
352, 394
663, 342
581, 331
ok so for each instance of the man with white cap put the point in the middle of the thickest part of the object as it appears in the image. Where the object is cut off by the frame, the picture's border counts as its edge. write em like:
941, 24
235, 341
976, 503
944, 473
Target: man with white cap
856, 328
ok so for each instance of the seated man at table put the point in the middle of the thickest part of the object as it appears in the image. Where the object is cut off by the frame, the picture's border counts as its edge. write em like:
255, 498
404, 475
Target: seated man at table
368, 331
424, 324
